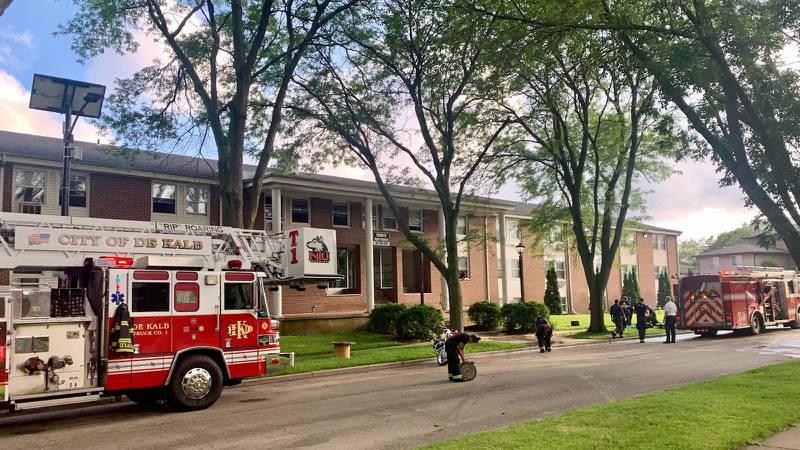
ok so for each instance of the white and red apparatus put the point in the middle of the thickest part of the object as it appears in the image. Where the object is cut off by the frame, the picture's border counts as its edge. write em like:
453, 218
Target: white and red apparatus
193, 298
747, 298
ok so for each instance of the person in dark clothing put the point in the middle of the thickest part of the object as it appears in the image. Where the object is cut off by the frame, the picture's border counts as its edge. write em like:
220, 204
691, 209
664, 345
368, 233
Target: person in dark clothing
628, 312
544, 333
642, 313
454, 347
618, 317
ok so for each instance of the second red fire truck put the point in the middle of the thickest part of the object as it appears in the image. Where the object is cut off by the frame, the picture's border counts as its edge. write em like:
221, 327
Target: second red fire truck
155, 311
746, 299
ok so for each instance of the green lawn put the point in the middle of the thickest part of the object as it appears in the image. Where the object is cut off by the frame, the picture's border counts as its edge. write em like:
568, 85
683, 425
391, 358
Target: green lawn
724, 413
562, 322
314, 353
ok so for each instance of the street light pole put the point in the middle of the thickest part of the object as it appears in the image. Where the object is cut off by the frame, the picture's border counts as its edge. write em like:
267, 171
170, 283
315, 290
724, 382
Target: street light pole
521, 251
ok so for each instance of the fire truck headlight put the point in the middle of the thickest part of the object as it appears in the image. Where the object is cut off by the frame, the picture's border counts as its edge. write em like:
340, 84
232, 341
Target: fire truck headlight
274, 324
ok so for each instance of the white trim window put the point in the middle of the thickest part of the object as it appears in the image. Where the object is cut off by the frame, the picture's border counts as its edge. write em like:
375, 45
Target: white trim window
463, 267
78, 185
515, 268
659, 242
346, 267
415, 220
29, 186
715, 261
389, 219
197, 200
164, 198
736, 260
341, 214
384, 268
300, 210
461, 226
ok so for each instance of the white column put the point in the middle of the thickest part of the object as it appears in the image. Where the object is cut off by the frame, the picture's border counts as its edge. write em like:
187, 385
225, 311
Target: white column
368, 255
445, 290
503, 260
277, 227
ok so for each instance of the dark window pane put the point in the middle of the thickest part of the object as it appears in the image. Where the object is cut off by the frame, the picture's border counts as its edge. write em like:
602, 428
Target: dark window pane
238, 296
299, 210
147, 297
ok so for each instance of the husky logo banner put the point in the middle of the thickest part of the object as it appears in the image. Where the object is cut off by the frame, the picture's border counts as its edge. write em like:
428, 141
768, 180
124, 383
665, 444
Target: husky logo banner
318, 251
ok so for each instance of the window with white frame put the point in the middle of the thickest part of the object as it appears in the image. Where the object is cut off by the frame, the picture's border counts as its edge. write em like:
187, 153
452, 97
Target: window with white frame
715, 261
415, 220
196, 200
499, 268
389, 219
659, 242
384, 268
461, 226
300, 210
736, 260
515, 269
626, 269
341, 214
77, 191
513, 231
561, 271
564, 304
463, 267
346, 257
164, 198
29, 186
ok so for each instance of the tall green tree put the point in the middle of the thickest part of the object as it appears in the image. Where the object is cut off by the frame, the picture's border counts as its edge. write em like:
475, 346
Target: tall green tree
406, 89
664, 289
225, 77
720, 63
552, 298
594, 128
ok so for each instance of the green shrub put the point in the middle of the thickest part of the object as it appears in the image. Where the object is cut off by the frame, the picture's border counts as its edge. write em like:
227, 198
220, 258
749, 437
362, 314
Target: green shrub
485, 314
521, 317
383, 318
419, 322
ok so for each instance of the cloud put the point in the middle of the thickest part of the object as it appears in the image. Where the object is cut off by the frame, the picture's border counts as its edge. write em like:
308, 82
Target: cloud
695, 192
16, 116
12, 43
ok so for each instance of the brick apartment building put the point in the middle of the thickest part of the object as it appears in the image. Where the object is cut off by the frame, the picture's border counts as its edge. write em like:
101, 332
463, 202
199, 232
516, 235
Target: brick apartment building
176, 188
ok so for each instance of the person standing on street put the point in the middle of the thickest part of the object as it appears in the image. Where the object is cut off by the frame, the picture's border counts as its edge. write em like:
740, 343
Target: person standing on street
642, 312
628, 310
544, 333
670, 317
454, 347
618, 317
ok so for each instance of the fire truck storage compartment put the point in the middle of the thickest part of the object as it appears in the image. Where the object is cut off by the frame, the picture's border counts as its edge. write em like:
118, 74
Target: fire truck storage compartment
52, 341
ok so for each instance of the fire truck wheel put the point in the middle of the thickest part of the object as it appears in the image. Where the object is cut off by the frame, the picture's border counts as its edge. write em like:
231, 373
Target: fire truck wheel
756, 325
196, 384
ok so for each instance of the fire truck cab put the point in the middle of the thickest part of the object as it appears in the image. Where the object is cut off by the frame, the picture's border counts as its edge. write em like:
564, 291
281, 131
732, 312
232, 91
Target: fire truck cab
156, 311
748, 298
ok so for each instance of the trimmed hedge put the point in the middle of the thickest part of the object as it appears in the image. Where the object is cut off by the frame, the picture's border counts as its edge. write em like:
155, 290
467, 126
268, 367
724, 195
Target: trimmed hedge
383, 318
486, 315
419, 322
521, 317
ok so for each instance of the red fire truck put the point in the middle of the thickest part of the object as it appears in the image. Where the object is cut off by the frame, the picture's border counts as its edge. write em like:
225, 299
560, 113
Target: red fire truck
155, 311
747, 298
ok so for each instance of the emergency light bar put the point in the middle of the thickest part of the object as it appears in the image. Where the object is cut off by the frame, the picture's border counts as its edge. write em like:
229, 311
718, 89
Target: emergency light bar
114, 261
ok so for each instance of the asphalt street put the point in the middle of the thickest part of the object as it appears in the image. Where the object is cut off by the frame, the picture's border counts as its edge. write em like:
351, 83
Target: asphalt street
406, 407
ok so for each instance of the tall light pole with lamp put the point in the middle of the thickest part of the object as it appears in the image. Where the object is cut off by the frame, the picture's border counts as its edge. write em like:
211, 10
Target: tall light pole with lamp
71, 98
521, 251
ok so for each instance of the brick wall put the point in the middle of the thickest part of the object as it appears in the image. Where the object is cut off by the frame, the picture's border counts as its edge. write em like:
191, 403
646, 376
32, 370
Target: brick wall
578, 289
8, 186
534, 278
119, 197
494, 280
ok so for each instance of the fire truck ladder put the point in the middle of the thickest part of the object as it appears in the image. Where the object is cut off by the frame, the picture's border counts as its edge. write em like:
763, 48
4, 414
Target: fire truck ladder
253, 249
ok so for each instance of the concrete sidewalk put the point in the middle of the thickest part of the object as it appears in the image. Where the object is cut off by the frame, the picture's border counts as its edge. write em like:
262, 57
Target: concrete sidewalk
786, 439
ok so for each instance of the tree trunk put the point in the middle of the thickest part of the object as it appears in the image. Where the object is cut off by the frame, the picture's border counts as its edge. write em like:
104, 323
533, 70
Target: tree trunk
452, 276
597, 315
251, 203
230, 188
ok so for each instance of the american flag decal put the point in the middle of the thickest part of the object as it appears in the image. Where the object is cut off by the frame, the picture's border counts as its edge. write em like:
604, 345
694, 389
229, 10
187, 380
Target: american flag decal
39, 239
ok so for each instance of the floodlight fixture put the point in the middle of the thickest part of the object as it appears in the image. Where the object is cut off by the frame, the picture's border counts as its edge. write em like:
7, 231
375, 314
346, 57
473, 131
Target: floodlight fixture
71, 98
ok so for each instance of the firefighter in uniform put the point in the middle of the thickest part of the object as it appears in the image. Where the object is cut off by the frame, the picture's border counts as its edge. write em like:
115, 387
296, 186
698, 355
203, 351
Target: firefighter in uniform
454, 347
642, 316
544, 332
618, 317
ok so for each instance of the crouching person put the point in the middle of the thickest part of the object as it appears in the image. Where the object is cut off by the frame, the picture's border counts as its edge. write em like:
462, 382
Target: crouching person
544, 333
454, 347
